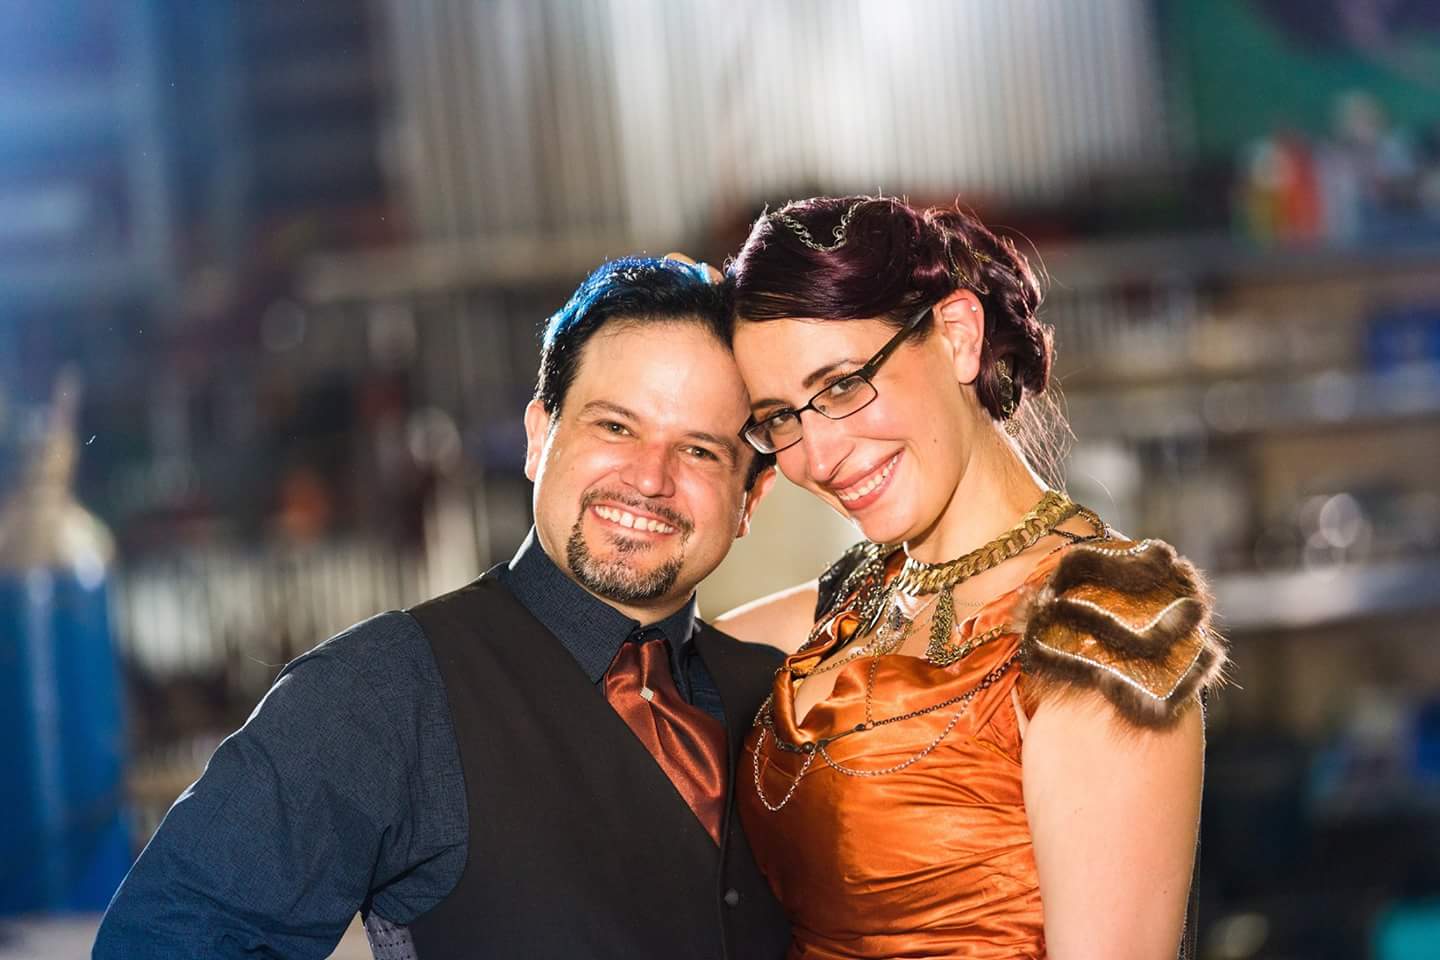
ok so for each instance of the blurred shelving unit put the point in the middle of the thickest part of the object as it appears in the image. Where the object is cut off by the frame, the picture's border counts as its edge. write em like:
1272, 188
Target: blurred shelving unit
163, 168
1197, 258
1306, 598
83, 172
1276, 412
1262, 376
471, 312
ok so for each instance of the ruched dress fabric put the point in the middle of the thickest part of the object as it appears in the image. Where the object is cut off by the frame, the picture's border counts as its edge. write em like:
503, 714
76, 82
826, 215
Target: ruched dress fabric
934, 860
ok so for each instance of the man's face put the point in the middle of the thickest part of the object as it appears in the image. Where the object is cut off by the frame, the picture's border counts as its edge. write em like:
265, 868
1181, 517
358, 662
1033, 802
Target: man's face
640, 476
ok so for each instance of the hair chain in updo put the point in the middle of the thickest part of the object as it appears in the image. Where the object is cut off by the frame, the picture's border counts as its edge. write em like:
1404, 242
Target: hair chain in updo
962, 278
803, 234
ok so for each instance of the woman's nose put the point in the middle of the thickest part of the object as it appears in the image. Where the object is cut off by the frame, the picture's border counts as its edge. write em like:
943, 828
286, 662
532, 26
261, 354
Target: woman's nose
825, 444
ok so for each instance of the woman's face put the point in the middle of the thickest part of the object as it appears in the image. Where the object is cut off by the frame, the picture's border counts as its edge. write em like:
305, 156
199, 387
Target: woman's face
894, 466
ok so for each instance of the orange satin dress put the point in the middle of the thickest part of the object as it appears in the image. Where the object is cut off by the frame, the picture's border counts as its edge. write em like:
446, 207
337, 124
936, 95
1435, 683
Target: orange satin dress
932, 860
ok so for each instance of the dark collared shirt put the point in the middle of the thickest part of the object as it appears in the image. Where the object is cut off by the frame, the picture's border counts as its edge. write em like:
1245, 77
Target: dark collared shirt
344, 788
593, 631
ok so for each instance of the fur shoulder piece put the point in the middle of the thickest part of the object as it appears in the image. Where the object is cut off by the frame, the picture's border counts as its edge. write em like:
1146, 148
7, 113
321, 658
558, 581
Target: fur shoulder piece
842, 578
1130, 619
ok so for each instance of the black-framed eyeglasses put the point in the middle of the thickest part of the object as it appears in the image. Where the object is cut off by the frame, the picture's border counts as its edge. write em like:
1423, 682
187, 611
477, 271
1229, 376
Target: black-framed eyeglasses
848, 395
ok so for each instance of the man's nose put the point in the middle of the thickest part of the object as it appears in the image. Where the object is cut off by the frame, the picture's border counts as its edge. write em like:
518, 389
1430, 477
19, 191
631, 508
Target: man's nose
650, 470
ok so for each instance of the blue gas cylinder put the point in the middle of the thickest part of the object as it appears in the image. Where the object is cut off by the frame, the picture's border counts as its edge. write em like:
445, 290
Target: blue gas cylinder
66, 842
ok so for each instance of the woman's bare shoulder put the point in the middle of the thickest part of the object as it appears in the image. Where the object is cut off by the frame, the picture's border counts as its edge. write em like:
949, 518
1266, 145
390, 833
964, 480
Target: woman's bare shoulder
780, 620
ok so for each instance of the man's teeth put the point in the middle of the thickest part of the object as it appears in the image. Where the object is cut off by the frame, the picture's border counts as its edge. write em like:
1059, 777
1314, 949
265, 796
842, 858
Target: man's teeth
869, 486
627, 519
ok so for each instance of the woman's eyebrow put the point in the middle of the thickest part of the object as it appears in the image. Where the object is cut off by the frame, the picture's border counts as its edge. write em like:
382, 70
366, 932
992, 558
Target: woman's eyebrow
829, 368
810, 380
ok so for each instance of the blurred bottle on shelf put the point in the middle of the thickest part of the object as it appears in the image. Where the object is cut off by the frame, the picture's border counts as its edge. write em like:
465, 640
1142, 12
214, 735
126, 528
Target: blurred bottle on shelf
1280, 197
61, 736
1365, 180
1404, 337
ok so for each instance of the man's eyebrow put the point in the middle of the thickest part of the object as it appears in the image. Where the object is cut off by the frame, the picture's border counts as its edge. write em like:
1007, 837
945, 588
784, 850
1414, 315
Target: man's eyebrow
609, 407
810, 380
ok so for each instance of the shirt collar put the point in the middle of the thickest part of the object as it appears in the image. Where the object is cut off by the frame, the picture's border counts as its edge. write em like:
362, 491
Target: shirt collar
585, 625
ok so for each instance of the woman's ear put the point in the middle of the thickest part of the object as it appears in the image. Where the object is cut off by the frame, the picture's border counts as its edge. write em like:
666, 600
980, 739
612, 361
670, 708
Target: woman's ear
960, 321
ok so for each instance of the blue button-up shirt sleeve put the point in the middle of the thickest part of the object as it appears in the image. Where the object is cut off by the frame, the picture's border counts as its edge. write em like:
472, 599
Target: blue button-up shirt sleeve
300, 817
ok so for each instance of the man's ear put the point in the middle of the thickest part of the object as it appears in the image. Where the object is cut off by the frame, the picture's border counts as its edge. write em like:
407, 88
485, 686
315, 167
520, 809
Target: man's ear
537, 428
960, 321
753, 496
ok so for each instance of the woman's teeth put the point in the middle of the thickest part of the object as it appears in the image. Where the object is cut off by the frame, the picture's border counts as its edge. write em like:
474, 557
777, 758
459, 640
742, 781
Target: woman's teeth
869, 486
627, 519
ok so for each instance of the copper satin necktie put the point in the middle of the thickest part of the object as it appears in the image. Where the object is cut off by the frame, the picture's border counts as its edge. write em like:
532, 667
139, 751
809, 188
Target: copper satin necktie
687, 742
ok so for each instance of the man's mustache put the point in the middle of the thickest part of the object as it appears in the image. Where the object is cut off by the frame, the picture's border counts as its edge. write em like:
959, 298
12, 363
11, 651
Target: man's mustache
675, 520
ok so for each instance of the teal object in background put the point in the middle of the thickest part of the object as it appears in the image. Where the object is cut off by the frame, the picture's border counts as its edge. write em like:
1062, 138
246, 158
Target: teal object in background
1237, 65
1409, 931
66, 842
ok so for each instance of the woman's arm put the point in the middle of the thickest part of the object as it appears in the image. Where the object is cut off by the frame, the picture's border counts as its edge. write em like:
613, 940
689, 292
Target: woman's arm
781, 620
1114, 811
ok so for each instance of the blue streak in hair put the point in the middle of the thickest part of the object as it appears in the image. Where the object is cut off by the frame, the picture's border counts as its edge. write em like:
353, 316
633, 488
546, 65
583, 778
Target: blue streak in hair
616, 278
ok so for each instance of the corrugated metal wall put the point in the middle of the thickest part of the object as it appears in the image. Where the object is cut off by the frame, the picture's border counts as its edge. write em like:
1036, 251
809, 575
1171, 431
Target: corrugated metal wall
647, 119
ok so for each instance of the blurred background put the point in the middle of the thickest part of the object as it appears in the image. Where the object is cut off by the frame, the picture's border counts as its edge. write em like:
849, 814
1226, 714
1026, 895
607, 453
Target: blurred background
271, 275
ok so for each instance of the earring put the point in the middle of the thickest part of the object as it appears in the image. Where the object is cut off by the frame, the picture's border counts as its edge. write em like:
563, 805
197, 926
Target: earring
974, 308
1008, 401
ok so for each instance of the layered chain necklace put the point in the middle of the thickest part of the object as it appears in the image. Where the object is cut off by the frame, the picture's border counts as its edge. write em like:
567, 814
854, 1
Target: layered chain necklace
886, 638
916, 579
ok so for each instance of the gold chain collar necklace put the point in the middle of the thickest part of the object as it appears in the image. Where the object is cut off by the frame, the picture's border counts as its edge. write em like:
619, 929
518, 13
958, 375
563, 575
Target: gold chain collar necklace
917, 577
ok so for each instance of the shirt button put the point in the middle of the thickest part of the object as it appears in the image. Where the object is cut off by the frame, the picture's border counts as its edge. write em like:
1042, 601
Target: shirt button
732, 897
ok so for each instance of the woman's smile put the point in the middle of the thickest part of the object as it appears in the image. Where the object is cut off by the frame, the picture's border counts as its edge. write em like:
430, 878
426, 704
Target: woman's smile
862, 491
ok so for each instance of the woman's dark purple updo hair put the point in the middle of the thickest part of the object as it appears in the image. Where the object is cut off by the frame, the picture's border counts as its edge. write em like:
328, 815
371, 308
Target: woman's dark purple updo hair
894, 260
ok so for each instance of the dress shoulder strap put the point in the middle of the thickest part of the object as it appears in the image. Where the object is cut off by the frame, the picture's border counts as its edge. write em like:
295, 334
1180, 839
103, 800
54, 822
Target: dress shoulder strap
1130, 619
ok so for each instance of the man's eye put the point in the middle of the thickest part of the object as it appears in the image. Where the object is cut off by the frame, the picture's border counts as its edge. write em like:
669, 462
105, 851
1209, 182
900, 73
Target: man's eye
700, 453
610, 426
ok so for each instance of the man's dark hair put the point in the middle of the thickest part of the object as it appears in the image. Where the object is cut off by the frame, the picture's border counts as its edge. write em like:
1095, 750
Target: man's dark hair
631, 290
